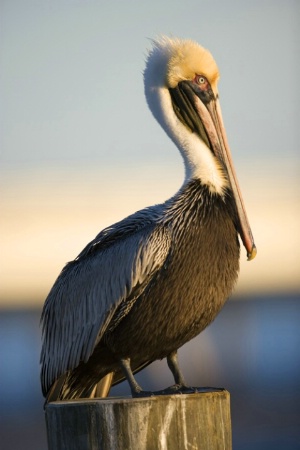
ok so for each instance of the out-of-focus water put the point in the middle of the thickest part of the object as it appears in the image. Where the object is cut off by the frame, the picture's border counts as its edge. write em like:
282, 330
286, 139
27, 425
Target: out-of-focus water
252, 349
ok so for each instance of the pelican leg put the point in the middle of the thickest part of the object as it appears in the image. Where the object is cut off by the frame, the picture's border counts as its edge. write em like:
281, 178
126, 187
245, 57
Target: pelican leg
172, 360
180, 387
134, 386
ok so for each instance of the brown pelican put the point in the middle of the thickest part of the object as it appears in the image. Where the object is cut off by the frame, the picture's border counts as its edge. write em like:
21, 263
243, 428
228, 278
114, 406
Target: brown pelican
153, 281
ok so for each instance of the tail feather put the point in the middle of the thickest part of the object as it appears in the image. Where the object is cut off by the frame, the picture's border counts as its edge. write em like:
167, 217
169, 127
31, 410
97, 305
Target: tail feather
64, 389
103, 387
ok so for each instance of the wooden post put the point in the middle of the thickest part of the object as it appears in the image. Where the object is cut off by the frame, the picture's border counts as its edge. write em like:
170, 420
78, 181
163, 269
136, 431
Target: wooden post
172, 422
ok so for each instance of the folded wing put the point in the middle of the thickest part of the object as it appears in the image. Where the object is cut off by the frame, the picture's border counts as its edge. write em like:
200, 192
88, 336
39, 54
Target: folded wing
81, 305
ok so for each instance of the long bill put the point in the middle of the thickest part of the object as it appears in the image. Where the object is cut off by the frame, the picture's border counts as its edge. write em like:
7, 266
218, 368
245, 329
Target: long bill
211, 117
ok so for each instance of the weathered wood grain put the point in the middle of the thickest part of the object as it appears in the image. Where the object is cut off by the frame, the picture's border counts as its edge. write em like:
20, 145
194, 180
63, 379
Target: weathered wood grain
173, 422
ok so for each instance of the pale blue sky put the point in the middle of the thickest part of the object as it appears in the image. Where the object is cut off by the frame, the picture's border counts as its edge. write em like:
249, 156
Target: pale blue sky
72, 88
76, 130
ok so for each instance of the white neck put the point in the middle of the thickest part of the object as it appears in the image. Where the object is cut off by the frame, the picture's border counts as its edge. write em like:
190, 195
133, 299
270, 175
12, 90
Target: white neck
198, 159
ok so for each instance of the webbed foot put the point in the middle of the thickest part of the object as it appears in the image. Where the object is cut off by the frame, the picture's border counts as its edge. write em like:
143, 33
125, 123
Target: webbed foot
175, 390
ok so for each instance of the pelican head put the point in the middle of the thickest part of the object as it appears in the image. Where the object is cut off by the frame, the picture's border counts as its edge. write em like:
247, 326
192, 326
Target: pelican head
181, 89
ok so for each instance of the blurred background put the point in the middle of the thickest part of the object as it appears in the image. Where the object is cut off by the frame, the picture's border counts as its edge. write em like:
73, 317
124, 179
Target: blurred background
80, 150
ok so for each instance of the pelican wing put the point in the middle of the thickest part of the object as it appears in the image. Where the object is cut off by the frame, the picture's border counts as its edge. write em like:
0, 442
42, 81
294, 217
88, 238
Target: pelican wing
80, 306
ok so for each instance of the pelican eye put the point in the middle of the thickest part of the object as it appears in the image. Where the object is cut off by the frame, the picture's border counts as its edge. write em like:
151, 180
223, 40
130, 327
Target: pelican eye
200, 79
202, 82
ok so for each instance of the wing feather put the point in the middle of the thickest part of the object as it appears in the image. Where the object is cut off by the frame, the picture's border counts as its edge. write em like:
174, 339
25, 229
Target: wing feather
84, 298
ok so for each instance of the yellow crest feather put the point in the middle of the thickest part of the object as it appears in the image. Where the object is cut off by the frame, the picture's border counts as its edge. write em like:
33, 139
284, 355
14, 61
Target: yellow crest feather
188, 58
